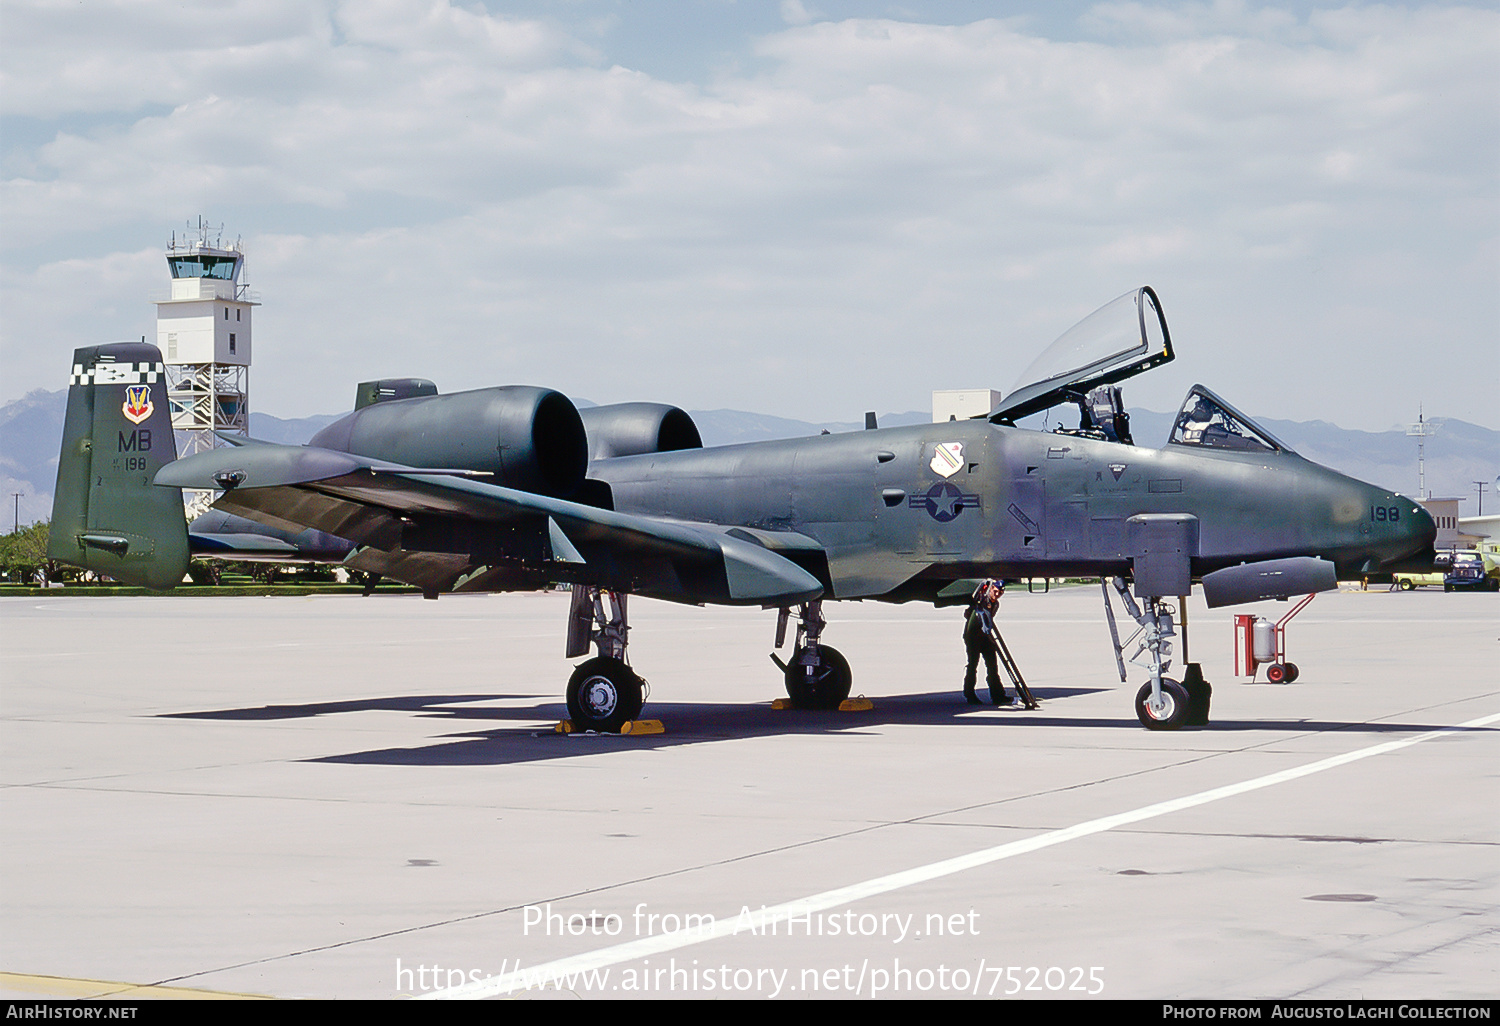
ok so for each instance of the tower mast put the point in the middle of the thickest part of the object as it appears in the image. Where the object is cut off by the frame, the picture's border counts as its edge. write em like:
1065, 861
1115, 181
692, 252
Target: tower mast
203, 329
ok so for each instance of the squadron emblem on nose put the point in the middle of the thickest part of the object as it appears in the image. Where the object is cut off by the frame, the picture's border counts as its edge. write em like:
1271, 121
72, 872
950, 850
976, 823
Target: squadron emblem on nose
949, 459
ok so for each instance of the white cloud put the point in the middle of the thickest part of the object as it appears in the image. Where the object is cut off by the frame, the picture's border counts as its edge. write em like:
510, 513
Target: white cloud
882, 209
794, 12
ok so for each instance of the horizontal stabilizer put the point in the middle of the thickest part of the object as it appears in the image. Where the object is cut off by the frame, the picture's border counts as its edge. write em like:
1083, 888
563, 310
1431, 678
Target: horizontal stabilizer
240, 546
257, 465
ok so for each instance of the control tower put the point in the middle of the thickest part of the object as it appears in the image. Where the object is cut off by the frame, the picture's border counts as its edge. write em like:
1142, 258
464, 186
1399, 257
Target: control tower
203, 332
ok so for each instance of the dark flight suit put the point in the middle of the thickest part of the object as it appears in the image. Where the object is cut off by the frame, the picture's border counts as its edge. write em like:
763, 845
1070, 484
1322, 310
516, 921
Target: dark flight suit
978, 622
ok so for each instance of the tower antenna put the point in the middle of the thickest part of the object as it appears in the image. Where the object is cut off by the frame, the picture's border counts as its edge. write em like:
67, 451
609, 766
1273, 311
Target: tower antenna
1421, 431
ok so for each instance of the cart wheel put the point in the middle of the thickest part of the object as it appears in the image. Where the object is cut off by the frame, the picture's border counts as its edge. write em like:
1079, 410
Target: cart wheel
1291, 672
1276, 673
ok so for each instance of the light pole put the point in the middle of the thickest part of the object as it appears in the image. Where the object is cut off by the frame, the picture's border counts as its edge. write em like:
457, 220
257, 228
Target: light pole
1481, 485
17, 496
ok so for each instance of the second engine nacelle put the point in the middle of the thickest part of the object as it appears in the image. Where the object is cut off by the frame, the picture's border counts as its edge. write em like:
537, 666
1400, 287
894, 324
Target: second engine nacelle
528, 438
631, 429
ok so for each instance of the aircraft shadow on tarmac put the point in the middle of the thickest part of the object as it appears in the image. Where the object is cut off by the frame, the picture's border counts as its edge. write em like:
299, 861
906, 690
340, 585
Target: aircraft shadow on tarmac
701, 723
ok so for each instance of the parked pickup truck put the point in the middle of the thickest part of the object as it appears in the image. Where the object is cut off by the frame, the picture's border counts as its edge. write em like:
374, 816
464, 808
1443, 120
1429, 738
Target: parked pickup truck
1472, 570
1406, 582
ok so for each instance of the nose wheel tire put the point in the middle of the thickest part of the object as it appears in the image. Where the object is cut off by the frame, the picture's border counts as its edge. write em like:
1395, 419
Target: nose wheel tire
826, 686
1172, 713
603, 695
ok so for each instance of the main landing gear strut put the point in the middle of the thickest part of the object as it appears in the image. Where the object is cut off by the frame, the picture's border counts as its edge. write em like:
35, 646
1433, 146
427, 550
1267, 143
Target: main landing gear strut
817, 676
1162, 703
604, 693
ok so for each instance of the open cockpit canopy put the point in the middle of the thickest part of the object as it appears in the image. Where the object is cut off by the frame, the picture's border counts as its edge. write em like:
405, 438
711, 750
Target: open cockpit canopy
1209, 422
1117, 341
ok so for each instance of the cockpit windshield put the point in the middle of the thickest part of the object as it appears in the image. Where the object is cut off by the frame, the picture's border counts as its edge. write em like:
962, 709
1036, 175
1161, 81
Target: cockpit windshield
1115, 342
1207, 421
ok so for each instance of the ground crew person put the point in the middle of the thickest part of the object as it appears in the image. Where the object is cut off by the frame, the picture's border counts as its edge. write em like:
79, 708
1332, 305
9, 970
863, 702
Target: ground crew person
979, 626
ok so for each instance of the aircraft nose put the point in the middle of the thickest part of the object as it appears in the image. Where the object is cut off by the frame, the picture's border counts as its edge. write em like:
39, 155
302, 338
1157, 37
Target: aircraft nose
1409, 530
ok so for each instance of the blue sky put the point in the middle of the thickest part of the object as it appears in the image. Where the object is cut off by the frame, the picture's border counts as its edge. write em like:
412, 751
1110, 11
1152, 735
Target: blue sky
806, 209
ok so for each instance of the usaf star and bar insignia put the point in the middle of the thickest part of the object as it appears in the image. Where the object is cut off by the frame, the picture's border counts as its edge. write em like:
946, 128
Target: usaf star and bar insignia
944, 501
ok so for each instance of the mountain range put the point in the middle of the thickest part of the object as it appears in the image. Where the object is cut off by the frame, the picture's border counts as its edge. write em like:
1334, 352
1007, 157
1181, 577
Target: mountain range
1458, 454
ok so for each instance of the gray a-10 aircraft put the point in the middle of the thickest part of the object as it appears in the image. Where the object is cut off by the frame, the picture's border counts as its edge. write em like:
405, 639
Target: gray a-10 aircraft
513, 488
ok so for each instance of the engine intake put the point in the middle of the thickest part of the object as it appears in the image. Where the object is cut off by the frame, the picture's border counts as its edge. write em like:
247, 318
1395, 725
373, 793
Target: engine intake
529, 438
632, 429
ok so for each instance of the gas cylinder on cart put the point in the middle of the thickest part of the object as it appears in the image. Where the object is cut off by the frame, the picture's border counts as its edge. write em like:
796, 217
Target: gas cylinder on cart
1263, 640
1254, 643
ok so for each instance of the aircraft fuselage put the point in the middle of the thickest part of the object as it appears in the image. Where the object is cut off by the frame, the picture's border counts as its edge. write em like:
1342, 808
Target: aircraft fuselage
897, 512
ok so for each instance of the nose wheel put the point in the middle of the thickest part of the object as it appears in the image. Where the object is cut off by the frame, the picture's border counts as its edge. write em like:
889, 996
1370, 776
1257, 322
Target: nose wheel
1168, 714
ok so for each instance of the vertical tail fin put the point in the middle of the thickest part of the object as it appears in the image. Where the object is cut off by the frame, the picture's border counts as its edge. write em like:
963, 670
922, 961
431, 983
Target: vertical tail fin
107, 515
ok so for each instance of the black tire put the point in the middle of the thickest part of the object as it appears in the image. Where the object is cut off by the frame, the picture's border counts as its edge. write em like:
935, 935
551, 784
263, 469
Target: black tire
828, 685
1175, 701
603, 695
1405, 584
1447, 587
1292, 673
1276, 673
1494, 584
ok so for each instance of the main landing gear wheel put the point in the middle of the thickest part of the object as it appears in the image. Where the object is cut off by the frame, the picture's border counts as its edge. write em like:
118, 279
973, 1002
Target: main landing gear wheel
826, 687
1173, 712
603, 695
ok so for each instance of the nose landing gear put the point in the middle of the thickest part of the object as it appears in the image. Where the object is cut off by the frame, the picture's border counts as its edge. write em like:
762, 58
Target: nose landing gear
1162, 703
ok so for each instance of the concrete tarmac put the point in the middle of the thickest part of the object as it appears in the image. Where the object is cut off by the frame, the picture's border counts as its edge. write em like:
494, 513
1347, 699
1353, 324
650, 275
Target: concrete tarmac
344, 797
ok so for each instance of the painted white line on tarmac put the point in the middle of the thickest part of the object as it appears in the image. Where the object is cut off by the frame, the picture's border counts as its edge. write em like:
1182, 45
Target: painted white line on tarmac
552, 973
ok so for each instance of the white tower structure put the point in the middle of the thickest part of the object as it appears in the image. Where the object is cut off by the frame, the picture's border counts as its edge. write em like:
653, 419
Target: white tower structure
203, 332
1422, 430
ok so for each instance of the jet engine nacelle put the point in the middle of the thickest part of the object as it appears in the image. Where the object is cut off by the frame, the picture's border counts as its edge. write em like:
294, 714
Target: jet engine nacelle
1268, 579
631, 429
529, 438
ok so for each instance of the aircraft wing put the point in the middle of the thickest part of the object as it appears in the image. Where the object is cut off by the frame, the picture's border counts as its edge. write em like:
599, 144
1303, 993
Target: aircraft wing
445, 530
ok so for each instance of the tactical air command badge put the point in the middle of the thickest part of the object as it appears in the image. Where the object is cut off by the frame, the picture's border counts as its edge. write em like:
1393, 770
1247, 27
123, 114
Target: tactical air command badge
137, 406
949, 459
